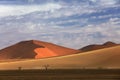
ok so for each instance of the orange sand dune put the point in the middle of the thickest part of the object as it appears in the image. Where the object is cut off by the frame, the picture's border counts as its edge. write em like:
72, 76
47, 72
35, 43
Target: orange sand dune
103, 58
34, 49
44, 52
52, 50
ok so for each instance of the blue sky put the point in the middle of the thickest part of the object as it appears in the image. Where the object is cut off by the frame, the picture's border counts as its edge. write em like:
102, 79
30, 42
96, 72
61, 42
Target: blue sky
80, 22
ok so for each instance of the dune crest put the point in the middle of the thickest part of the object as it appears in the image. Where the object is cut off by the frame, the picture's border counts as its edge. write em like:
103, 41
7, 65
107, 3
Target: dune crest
98, 46
33, 49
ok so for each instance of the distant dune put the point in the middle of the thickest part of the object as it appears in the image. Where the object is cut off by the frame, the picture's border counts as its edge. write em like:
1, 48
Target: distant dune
34, 49
98, 46
103, 58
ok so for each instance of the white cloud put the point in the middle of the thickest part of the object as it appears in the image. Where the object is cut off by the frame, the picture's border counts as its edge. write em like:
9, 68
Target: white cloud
56, 9
81, 36
100, 4
108, 2
44, 25
11, 10
105, 2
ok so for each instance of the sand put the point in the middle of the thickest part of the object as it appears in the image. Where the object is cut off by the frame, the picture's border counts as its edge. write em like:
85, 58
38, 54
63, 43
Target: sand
103, 58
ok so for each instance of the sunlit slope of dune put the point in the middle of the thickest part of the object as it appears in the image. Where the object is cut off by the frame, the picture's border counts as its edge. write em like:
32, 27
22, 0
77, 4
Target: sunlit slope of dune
104, 58
52, 50
44, 52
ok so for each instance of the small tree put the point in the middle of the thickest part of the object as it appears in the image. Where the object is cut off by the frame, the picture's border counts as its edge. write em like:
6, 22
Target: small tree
83, 67
46, 66
100, 67
19, 68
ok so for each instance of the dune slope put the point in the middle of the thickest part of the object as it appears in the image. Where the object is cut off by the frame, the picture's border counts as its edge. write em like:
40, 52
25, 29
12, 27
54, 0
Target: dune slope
105, 58
34, 49
98, 46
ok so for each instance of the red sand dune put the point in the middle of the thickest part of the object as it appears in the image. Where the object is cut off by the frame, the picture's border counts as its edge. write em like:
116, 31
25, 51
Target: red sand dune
34, 49
53, 50
45, 53
96, 47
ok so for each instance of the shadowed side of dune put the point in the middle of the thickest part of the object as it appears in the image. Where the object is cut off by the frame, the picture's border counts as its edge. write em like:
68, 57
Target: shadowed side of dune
19, 51
98, 46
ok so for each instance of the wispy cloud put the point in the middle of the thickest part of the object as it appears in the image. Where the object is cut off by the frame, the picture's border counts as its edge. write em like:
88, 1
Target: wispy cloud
8, 10
60, 21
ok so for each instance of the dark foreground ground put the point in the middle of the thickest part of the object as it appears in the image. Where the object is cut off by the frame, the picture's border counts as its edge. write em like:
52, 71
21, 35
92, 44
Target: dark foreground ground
75, 74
